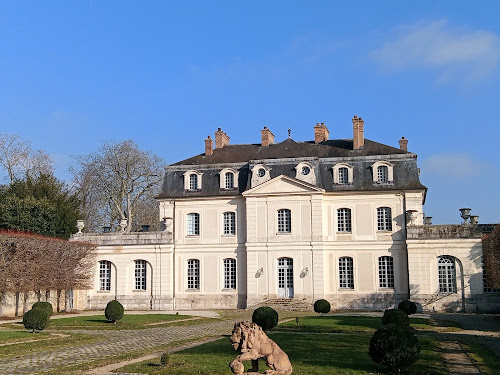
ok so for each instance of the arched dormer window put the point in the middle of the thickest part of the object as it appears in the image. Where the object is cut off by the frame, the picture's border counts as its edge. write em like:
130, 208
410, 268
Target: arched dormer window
260, 174
192, 180
228, 179
383, 172
305, 172
343, 174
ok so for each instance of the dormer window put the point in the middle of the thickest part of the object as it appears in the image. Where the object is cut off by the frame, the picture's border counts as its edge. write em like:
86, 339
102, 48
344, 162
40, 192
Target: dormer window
305, 172
260, 174
343, 174
228, 179
192, 180
383, 172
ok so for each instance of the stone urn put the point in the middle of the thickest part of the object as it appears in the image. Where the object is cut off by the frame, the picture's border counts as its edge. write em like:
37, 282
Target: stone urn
80, 224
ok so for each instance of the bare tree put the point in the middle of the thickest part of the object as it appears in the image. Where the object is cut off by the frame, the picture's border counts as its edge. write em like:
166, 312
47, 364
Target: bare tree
118, 182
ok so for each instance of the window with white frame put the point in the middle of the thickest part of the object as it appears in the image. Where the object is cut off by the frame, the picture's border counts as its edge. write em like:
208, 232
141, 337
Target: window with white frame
193, 181
105, 275
193, 224
382, 174
140, 274
229, 273
486, 287
384, 219
344, 220
346, 273
447, 278
193, 274
343, 174
229, 223
386, 272
229, 180
284, 221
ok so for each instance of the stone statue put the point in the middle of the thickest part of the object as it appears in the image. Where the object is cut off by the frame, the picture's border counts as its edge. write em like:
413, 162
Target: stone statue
253, 343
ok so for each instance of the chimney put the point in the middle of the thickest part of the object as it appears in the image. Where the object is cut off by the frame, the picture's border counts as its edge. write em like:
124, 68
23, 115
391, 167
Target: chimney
209, 146
358, 133
221, 139
321, 133
403, 144
267, 137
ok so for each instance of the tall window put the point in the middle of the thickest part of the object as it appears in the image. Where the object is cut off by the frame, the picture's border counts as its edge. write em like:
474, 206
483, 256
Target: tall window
343, 175
193, 224
346, 273
382, 174
105, 275
384, 219
229, 223
229, 180
446, 275
193, 181
386, 272
284, 221
193, 274
140, 275
229, 273
486, 287
344, 220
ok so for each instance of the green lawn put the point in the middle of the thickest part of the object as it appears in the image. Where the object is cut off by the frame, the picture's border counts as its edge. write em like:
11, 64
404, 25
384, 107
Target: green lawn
15, 336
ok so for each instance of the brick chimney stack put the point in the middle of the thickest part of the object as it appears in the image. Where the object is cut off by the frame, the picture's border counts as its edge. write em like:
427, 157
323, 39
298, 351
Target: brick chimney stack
321, 133
267, 137
221, 139
403, 144
209, 146
358, 133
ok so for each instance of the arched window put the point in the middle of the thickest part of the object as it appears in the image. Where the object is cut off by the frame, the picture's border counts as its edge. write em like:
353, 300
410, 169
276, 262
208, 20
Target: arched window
382, 174
447, 275
229, 223
284, 221
229, 180
193, 224
230, 273
343, 176
386, 272
344, 220
105, 275
384, 219
193, 274
140, 274
346, 273
193, 182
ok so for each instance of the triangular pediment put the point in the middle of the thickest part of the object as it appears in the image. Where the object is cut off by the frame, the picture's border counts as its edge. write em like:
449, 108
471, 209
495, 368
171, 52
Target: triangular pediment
283, 185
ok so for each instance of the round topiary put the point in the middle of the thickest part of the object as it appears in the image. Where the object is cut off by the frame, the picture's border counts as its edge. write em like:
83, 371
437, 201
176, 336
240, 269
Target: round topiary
408, 307
322, 306
114, 311
394, 346
44, 306
36, 320
395, 316
266, 317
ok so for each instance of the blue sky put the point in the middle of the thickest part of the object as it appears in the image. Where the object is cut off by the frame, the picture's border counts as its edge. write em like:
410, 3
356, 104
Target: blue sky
167, 74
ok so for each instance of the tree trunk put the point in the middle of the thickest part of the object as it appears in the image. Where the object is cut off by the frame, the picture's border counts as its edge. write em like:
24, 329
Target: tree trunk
38, 295
58, 300
25, 302
17, 304
67, 301
47, 295
2, 303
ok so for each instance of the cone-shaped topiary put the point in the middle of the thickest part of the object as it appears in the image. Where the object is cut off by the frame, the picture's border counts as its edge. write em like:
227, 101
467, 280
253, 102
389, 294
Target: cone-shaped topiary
408, 307
395, 316
266, 317
394, 346
36, 320
114, 311
322, 306
44, 306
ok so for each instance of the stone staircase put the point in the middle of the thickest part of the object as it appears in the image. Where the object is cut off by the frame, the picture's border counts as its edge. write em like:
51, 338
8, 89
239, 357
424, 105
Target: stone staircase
287, 304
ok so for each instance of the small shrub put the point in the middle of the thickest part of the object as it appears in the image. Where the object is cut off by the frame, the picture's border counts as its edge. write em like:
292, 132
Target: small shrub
266, 317
114, 311
36, 319
44, 306
408, 307
322, 306
164, 359
395, 316
394, 346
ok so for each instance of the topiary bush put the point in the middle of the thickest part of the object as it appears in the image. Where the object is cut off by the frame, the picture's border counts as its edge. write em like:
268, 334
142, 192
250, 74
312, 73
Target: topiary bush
408, 307
114, 311
394, 346
266, 317
36, 319
43, 306
164, 359
395, 316
322, 306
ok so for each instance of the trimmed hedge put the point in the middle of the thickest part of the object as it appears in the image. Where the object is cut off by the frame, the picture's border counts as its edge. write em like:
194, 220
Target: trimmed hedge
43, 306
322, 306
36, 319
266, 317
394, 346
408, 307
395, 316
114, 311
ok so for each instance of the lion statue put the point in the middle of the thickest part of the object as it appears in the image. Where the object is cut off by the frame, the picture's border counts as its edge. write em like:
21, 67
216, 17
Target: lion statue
253, 343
